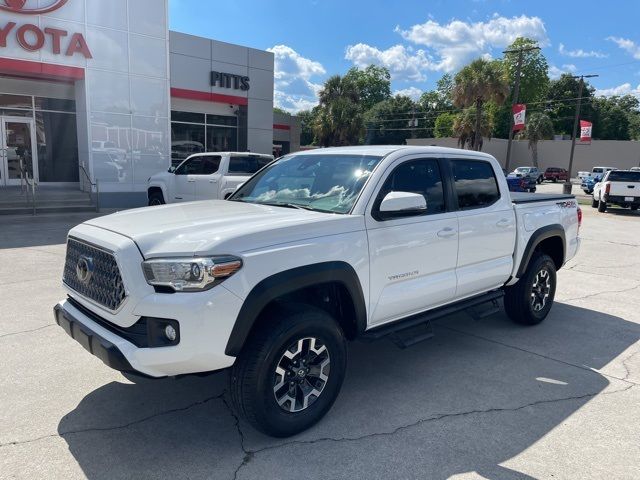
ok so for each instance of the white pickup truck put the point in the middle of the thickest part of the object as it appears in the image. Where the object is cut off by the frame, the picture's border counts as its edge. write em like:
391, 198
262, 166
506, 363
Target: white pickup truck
617, 187
317, 248
204, 176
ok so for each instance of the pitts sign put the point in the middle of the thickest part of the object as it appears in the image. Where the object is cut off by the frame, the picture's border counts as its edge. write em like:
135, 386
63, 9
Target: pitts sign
32, 38
229, 80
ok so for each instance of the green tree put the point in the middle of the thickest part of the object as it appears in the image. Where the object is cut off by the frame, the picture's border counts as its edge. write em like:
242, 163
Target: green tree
339, 118
444, 125
387, 122
476, 84
432, 103
307, 119
616, 118
373, 84
537, 127
280, 111
561, 106
465, 127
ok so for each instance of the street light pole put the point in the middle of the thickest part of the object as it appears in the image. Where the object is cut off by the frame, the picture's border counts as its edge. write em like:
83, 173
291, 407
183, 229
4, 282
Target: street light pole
516, 95
567, 187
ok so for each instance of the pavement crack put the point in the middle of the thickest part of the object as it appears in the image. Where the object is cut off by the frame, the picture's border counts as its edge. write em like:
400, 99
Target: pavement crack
546, 357
27, 331
437, 417
248, 455
115, 427
591, 295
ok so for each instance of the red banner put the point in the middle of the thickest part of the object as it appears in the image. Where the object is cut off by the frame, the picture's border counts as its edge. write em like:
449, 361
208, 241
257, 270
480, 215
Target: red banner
585, 131
519, 113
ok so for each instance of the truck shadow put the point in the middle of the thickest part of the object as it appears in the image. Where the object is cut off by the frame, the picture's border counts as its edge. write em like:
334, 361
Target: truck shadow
477, 395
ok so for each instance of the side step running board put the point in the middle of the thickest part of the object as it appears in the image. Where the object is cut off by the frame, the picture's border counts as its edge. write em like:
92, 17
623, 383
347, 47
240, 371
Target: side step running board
416, 328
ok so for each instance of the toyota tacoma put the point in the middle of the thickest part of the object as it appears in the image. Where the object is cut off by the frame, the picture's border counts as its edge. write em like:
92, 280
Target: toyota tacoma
316, 249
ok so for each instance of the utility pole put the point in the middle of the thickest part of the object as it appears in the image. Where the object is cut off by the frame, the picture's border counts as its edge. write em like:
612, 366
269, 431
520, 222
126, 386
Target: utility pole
567, 187
516, 95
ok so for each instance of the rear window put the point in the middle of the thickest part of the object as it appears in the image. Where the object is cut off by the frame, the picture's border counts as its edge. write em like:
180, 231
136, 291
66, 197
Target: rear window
597, 170
247, 165
624, 177
475, 183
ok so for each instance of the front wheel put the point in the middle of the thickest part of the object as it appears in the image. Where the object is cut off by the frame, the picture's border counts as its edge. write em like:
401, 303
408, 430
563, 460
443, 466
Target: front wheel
594, 203
156, 198
529, 301
634, 208
290, 371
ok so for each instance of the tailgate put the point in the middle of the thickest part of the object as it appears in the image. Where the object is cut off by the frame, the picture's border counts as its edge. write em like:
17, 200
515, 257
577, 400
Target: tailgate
624, 189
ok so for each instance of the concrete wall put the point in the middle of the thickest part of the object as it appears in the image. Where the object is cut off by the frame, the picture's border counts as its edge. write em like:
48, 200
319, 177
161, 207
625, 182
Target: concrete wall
290, 134
555, 153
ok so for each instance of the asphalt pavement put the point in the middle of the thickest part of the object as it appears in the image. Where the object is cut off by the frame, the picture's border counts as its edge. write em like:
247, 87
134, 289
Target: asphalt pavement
482, 399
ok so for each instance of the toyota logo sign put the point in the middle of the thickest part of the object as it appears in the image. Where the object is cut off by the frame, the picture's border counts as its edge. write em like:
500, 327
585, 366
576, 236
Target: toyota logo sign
84, 269
18, 6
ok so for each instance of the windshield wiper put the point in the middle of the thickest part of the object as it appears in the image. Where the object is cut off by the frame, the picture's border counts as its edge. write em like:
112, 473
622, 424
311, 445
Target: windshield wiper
287, 205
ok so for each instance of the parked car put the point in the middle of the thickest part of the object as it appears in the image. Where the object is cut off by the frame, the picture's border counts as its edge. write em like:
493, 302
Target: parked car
204, 176
635, 169
618, 187
317, 248
582, 175
532, 172
589, 182
555, 174
521, 183
600, 171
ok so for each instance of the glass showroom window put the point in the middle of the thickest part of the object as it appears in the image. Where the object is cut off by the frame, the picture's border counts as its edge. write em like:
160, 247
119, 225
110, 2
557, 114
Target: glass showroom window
196, 133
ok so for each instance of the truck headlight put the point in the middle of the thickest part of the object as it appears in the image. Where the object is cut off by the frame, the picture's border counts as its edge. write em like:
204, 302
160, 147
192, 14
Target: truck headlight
190, 274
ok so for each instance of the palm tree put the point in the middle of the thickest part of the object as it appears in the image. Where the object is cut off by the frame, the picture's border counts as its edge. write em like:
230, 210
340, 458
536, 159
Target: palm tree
464, 127
339, 120
537, 127
479, 82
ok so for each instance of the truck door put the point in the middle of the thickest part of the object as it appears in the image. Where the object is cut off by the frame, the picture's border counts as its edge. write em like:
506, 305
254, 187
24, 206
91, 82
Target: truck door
412, 256
208, 180
184, 181
487, 228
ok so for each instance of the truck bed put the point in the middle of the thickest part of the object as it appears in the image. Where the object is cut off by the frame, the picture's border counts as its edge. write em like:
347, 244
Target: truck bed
519, 197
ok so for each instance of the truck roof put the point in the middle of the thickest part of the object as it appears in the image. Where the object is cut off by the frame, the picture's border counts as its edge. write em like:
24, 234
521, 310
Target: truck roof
382, 150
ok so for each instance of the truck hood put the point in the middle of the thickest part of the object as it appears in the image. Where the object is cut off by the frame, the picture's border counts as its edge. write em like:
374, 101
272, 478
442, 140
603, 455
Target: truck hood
216, 227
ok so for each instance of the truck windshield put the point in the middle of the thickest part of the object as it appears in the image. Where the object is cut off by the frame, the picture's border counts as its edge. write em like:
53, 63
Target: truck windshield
326, 183
624, 177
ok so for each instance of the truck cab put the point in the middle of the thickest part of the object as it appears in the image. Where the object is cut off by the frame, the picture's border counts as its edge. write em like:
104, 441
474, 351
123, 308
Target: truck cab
204, 176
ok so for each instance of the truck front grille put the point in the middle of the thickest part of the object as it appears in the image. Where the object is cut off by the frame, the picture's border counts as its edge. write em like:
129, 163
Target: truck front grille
94, 274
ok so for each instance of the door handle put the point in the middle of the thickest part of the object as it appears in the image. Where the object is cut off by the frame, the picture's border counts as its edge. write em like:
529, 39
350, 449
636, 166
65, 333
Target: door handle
191, 180
446, 232
504, 223
213, 181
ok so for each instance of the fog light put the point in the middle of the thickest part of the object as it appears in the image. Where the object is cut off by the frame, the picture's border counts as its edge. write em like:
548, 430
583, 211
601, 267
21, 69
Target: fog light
170, 333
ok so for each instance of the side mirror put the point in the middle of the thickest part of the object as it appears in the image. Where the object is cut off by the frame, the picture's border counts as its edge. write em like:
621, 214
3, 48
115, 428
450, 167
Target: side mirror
171, 169
403, 202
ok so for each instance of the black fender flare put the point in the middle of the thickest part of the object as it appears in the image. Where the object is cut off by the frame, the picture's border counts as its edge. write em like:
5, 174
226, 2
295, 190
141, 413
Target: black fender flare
543, 233
290, 281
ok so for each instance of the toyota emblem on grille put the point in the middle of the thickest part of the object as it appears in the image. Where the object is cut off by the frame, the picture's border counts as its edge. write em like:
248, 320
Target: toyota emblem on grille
84, 269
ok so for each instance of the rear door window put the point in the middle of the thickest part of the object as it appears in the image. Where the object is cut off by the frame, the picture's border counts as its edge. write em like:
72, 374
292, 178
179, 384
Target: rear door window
247, 165
475, 184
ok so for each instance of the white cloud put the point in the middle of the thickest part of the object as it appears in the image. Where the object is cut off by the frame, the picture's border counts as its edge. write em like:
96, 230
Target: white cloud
627, 45
403, 62
458, 42
555, 72
413, 93
580, 53
624, 89
294, 88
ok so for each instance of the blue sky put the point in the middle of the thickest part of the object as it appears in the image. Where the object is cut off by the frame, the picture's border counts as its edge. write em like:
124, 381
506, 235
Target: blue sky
419, 41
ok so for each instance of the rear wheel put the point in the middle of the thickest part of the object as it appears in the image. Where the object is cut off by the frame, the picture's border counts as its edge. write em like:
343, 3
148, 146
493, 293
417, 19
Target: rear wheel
156, 198
290, 370
529, 301
634, 207
555, 179
602, 206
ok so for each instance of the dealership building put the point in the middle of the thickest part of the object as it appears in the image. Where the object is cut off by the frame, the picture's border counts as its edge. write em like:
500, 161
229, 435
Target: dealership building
101, 92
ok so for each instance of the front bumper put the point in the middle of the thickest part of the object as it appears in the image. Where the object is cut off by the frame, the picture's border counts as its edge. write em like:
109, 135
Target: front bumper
91, 341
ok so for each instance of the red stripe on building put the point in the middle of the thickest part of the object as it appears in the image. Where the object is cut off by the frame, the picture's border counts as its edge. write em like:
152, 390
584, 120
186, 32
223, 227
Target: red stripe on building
207, 96
281, 126
40, 70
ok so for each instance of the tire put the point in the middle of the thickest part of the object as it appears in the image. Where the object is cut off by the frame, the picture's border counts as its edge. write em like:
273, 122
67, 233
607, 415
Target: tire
156, 198
555, 180
594, 203
254, 376
529, 301
634, 208
602, 206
